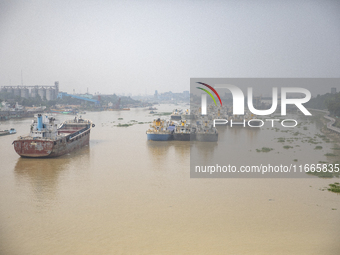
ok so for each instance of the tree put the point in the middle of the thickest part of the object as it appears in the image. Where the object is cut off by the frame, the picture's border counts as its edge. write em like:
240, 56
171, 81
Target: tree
333, 104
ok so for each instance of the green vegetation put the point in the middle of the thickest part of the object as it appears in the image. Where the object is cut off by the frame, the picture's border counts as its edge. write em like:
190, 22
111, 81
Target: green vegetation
318, 148
264, 149
334, 187
322, 174
333, 104
163, 113
123, 125
329, 173
287, 147
330, 155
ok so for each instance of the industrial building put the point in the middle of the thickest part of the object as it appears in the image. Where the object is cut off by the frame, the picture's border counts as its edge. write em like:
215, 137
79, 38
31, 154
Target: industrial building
44, 91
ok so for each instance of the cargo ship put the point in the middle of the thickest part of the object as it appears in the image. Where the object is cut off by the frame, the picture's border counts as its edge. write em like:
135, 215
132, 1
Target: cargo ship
160, 131
184, 132
176, 115
206, 133
188, 116
48, 139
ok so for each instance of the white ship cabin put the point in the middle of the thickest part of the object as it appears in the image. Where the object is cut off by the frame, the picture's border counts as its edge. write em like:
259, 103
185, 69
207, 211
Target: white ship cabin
44, 127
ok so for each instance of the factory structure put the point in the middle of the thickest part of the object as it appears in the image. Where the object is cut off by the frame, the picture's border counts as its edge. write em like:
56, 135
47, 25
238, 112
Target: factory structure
44, 91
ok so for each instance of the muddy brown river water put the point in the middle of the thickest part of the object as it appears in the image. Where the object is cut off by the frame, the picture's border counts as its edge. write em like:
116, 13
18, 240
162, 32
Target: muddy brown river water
123, 194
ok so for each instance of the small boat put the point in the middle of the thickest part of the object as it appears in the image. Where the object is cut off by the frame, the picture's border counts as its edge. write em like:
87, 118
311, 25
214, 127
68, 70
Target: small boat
4, 132
8, 132
159, 131
12, 131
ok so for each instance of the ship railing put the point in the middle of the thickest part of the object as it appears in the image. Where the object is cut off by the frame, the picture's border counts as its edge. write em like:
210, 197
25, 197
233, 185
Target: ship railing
78, 133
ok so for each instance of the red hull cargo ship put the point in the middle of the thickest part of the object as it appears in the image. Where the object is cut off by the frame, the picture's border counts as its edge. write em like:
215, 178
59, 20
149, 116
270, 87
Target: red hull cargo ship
48, 139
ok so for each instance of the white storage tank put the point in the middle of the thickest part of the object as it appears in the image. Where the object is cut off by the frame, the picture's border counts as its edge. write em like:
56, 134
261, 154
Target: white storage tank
42, 93
34, 92
49, 94
24, 93
17, 92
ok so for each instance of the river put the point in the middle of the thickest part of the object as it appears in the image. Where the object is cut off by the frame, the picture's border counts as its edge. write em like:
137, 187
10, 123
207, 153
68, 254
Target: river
123, 194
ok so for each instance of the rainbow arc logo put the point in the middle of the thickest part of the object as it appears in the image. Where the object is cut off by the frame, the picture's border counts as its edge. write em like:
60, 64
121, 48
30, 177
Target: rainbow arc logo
208, 92
204, 98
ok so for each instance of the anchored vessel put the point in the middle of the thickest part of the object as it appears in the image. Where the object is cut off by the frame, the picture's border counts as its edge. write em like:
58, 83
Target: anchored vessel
159, 131
176, 115
188, 116
184, 132
46, 139
8, 132
206, 133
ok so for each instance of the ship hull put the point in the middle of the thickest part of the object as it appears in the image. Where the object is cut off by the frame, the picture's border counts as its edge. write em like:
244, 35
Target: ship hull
207, 137
189, 116
49, 149
184, 136
159, 137
175, 117
75, 137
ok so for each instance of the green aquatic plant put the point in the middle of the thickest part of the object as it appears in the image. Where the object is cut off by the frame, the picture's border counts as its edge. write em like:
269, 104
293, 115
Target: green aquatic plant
318, 148
163, 113
330, 155
329, 173
334, 187
264, 149
312, 141
123, 125
287, 147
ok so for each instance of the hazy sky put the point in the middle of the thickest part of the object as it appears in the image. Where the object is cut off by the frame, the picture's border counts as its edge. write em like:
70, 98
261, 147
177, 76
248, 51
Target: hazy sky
139, 46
